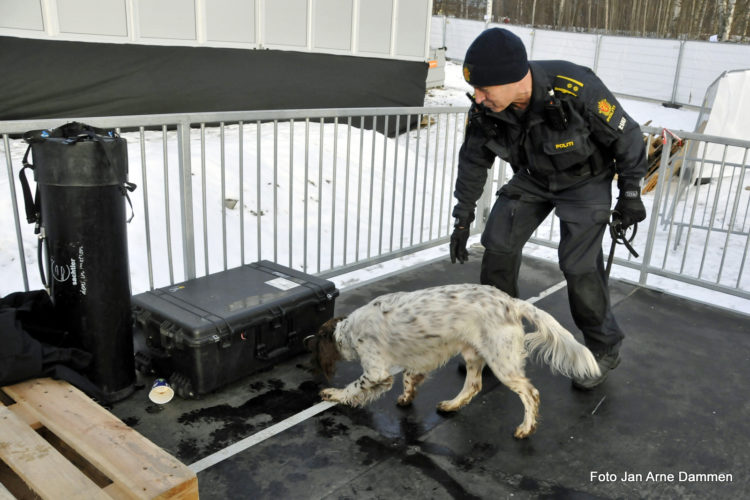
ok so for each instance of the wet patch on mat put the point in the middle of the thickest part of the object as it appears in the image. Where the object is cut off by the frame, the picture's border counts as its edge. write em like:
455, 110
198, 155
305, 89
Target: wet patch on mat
230, 424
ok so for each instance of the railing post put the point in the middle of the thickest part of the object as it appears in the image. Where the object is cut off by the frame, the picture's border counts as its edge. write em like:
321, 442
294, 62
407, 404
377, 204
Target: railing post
186, 198
676, 80
654, 220
16, 219
445, 28
484, 204
532, 35
597, 52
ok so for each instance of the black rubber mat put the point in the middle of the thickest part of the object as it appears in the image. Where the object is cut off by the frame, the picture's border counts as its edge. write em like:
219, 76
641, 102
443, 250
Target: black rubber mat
670, 422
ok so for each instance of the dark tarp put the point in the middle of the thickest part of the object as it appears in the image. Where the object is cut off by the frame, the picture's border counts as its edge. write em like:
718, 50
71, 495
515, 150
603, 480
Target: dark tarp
53, 79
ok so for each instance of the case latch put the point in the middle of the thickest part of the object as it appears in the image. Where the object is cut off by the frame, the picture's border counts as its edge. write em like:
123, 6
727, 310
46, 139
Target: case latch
325, 297
222, 333
223, 336
277, 317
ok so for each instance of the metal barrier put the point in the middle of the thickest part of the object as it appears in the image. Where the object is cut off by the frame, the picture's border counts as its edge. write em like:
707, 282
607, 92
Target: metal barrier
323, 191
326, 192
698, 230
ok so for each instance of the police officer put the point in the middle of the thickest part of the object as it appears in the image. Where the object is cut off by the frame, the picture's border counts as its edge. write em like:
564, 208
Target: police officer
565, 136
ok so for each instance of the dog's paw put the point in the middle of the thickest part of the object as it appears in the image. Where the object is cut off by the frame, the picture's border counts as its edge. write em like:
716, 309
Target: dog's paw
522, 433
404, 401
447, 407
331, 395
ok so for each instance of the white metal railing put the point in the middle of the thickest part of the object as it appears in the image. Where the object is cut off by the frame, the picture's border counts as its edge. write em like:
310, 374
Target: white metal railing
698, 230
318, 190
327, 192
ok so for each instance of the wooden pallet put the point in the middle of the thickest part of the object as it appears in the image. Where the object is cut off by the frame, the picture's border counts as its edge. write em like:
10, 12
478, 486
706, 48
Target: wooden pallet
55, 442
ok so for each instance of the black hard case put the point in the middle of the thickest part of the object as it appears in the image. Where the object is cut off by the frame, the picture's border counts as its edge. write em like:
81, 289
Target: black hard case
210, 331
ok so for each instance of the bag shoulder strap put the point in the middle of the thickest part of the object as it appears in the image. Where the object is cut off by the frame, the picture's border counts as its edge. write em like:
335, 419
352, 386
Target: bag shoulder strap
31, 203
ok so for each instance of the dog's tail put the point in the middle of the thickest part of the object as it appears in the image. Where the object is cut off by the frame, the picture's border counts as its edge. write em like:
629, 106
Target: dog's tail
556, 346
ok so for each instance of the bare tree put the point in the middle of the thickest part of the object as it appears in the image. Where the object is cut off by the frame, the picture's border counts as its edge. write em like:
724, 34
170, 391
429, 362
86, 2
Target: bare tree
660, 21
606, 15
676, 10
726, 16
701, 18
721, 8
693, 19
713, 25
747, 21
557, 7
634, 15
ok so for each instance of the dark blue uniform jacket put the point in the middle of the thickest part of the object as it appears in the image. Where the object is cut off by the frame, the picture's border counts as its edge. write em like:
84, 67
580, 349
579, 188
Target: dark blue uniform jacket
598, 134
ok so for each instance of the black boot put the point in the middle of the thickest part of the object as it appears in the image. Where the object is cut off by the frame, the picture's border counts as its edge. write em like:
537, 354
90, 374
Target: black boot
607, 362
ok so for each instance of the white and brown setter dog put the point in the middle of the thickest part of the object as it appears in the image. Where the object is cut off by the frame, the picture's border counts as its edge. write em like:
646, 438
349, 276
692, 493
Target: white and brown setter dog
420, 331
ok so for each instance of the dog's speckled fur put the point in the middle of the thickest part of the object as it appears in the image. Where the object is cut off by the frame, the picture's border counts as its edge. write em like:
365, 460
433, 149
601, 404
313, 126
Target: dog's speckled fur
420, 331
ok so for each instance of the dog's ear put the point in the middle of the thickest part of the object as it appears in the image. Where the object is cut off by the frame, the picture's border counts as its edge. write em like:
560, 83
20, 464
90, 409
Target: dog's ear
323, 347
328, 354
328, 328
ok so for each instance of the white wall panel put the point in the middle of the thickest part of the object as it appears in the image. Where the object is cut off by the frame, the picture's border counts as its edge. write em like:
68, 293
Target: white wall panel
21, 14
459, 35
639, 66
355, 27
704, 62
230, 21
285, 24
436, 31
375, 25
461, 32
412, 29
332, 24
579, 49
103, 17
172, 19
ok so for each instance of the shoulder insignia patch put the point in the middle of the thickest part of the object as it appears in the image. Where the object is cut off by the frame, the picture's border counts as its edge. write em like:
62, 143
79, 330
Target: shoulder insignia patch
606, 109
567, 85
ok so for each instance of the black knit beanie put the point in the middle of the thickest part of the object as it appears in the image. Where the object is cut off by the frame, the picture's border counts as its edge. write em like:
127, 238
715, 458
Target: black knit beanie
496, 57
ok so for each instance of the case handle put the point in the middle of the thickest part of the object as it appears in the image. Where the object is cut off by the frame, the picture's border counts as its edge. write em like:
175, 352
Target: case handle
262, 353
270, 356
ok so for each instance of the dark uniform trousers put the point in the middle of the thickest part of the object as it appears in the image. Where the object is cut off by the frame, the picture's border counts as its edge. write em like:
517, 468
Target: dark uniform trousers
521, 206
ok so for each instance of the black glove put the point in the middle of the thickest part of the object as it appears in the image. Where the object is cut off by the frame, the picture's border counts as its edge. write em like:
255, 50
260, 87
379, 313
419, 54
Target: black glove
458, 241
629, 208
